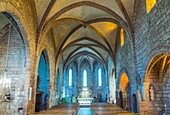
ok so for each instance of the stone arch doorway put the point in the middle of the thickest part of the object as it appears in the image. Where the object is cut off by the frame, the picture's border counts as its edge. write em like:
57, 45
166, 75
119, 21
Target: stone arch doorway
124, 91
14, 66
156, 86
134, 103
43, 80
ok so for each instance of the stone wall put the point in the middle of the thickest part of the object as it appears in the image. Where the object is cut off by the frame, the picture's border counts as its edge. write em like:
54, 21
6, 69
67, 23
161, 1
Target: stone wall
111, 78
23, 12
59, 79
166, 90
151, 32
160, 94
71, 90
13, 61
147, 106
27, 23
151, 38
125, 64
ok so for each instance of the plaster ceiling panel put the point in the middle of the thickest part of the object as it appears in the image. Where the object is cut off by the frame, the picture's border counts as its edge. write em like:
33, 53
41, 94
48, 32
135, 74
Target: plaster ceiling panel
88, 50
89, 57
85, 32
82, 57
67, 52
41, 6
102, 52
85, 42
62, 30
129, 6
108, 29
85, 13
3, 21
60, 4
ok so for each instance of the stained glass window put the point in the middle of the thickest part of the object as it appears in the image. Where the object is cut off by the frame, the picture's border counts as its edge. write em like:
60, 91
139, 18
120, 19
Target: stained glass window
85, 78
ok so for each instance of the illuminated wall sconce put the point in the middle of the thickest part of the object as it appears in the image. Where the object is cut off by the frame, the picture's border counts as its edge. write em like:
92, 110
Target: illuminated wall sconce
29, 93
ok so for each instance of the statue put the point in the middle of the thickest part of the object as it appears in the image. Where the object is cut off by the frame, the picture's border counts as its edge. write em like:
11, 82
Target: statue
151, 93
7, 96
85, 93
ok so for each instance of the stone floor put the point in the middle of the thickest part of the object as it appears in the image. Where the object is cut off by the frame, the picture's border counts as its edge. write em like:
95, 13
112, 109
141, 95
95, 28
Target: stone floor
85, 111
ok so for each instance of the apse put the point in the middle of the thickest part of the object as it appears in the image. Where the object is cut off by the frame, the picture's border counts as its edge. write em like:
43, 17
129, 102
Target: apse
86, 71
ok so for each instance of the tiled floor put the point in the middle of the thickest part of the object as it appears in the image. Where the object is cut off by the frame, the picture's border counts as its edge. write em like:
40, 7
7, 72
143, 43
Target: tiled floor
85, 111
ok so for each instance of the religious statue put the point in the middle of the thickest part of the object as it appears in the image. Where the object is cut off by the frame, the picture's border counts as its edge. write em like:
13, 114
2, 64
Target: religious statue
151, 91
7, 96
85, 93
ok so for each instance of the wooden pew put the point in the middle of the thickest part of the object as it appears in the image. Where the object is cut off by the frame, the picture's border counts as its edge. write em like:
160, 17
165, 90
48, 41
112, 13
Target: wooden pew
105, 108
63, 109
126, 113
108, 109
67, 106
53, 114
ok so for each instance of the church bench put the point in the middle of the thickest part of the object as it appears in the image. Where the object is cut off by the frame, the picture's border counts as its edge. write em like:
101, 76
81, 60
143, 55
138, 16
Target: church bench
106, 111
125, 113
106, 108
102, 105
114, 113
75, 110
53, 114
62, 111
66, 107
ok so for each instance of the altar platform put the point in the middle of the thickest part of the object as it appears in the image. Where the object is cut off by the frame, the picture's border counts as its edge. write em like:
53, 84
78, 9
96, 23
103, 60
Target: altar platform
84, 98
85, 101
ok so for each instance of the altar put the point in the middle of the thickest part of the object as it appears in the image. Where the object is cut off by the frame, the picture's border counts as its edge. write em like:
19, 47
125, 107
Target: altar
85, 101
85, 96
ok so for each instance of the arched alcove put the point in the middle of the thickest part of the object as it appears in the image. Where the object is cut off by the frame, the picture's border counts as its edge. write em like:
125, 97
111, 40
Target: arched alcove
71, 90
155, 85
100, 92
85, 66
124, 85
43, 86
14, 68
134, 102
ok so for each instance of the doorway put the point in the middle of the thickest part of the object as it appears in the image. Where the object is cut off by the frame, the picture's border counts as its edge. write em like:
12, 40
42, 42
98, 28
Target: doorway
134, 103
38, 105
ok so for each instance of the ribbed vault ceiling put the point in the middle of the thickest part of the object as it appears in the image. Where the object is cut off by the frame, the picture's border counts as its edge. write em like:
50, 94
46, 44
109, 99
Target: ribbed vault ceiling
84, 26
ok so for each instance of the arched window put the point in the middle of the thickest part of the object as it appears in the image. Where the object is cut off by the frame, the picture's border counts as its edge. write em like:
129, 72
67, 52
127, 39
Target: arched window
121, 37
99, 77
85, 78
70, 77
149, 5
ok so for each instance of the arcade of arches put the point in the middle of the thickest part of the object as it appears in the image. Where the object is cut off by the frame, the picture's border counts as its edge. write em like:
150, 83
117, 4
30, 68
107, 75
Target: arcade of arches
52, 51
